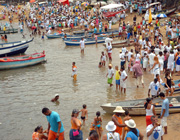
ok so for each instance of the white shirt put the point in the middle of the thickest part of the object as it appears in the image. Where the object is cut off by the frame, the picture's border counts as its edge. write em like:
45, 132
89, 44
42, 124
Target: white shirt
124, 50
156, 50
113, 136
158, 129
109, 48
154, 88
151, 58
74, 71
138, 57
123, 75
82, 44
171, 59
108, 40
129, 55
122, 57
110, 72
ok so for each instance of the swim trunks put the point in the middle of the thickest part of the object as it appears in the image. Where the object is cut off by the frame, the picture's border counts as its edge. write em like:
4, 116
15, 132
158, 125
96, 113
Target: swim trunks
117, 82
83, 118
110, 80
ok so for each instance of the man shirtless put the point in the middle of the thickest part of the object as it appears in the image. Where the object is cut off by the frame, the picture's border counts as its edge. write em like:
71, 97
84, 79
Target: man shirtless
84, 114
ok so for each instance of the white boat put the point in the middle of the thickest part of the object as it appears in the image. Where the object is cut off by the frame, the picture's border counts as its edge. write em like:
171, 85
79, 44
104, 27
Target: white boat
136, 107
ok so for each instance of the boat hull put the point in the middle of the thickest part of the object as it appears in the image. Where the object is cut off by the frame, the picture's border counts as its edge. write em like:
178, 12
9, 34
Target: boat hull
71, 43
21, 64
13, 51
136, 107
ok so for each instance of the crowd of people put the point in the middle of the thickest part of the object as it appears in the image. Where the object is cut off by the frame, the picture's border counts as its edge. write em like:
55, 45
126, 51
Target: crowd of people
153, 51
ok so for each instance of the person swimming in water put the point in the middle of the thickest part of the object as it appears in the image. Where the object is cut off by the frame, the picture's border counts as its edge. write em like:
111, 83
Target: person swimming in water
55, 99
98, 123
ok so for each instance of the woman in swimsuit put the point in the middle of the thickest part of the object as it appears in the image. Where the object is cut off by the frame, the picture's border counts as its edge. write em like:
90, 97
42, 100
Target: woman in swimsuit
98, 123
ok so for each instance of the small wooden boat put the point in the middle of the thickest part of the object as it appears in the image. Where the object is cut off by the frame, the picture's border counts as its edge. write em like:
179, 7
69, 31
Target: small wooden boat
55, 35
121, 43
81, 32
9, 31
9, 45
136, 107
88, 41
170, 12
9, 51
21, 61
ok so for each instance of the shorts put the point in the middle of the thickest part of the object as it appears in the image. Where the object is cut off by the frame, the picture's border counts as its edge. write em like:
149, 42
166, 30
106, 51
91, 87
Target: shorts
117, 82
122, 63
164, 121
123, 84
109, 80
165, 64
109, 55
75, 77
177, 67
52, 135
83, 118
120, 33
171, 66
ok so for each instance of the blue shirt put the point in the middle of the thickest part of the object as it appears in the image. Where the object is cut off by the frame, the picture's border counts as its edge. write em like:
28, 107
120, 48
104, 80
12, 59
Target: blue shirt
178, 61
128, 35
95, 30
165, 106
131, 135
53, 119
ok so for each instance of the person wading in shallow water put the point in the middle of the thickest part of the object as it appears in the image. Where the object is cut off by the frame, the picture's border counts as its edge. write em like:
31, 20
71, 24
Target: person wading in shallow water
56, 98
55, 126
110, 75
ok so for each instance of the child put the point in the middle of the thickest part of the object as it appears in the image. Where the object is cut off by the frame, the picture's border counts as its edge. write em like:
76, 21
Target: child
43, 36
98, 123
126, 118
74, 73
84, 115
55, 99
103, 59
145, 61
117, 76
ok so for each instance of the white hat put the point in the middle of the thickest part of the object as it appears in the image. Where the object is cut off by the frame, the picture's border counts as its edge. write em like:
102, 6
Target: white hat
119, 109
111, 126
130, 123
56, 95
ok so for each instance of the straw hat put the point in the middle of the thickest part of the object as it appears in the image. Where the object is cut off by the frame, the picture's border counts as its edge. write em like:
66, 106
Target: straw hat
120, 51
130, 123
110, 65
119, 109
111, 126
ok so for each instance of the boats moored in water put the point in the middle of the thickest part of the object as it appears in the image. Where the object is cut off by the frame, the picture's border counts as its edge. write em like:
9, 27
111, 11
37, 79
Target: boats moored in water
21, 61
8, 31
88, 41
136, 107
14, 48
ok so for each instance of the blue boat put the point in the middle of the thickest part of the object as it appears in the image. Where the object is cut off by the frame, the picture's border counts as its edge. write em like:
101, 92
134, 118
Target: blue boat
13, 51
55, 35
88, 41
14, 48
21, 61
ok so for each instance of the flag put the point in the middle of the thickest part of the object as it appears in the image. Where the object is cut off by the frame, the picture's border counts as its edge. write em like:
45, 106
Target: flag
150, 16
64, 2
32, 1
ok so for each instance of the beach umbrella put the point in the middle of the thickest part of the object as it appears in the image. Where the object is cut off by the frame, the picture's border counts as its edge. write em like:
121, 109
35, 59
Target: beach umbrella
32, 1
161, 16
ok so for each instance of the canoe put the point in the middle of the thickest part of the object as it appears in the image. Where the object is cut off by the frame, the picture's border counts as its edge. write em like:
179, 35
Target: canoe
88, 41
56, 35
121, 43
9, 51
81, 32
21, 61
171, 11
8, 31
14, 44
136, 107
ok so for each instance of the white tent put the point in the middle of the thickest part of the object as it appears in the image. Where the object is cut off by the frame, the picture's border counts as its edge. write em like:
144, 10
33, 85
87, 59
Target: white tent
112, 6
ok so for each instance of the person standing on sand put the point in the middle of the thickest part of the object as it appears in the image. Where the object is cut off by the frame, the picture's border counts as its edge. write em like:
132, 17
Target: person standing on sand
138, 73
84, 114
110, 75
74, 71
82, 45
116, 118
164, 111
55, 126
154, 130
